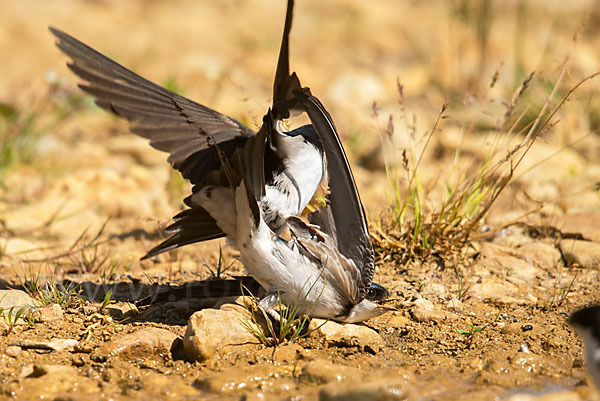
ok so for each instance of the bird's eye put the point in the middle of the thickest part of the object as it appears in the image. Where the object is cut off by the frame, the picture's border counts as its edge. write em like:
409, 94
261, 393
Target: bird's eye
371, 293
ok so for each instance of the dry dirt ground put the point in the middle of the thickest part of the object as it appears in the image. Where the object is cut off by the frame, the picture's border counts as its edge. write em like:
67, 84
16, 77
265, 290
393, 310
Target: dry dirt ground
82, 199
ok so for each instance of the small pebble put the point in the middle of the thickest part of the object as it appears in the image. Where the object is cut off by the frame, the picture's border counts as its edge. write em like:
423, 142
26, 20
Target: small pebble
13, 350
49, 313
77, 360
527, 327
83, 348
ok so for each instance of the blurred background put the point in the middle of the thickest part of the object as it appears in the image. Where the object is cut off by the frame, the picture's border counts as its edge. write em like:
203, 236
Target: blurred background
383, 68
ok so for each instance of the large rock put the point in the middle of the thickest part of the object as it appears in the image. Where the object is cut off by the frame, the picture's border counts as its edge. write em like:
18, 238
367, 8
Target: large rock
139, 344
321, 371
49, 313
517, 270
262, 377
211, 331
585, 253
15, 299
52, 382
586, 224
514, 287
383, 389
540, 254
347, 335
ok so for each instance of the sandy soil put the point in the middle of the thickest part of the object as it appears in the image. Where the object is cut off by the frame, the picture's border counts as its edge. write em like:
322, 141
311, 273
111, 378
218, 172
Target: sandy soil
80, 173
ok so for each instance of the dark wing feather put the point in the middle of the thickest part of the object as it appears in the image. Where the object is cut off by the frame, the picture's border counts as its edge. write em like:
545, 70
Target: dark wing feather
252, 165
171, 122
189, 226
349, 225
285, 84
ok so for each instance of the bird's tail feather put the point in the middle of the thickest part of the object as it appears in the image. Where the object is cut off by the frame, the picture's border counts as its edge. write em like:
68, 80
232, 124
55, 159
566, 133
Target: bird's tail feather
189, 226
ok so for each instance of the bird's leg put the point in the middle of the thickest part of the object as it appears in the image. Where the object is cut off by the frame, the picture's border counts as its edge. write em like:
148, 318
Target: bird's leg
316, 231
269, 302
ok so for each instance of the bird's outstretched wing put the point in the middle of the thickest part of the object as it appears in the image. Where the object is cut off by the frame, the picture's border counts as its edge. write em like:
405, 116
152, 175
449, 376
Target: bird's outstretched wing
344, 211
172, 123
285, 84
196, 224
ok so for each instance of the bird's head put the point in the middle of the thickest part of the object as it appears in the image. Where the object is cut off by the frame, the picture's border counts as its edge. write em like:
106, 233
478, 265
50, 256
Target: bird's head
371, 306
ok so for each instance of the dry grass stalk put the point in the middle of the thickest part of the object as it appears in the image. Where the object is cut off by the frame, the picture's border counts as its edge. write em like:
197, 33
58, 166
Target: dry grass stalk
411, 232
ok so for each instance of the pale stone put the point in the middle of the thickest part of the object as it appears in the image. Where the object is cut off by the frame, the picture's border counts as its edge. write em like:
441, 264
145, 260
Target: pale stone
122, 310
15, 299
423, 304
49, 313
518, 271
540, 254
557, 396
142, 343
398, 321
376, 390
347, 335
51, 381
321, 371
261, 376
13, 350
586, 224
57, 344
436, 315
585, 253
491, 290
62, 344
210, 330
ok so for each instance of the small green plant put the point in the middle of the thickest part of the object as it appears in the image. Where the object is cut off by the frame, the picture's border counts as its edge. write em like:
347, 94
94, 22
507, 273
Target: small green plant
559, 294
52, 293
107, 274
46, 291
461, 290
11, 316
291, 325
469, 333
289, 328
222, 266
107, 299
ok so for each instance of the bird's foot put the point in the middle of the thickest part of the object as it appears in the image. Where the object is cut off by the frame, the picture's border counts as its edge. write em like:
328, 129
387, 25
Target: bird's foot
268, 304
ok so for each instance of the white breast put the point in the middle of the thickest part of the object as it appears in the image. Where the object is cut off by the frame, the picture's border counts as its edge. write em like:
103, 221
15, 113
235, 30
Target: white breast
304, 171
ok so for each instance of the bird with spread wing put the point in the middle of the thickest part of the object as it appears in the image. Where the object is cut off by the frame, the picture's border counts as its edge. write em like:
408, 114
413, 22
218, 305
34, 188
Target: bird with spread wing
250, 186
189, 131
